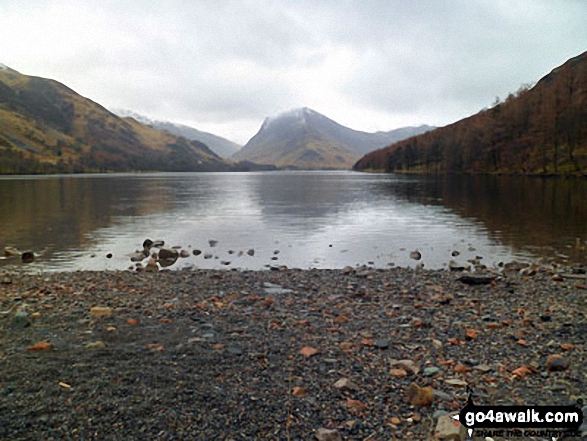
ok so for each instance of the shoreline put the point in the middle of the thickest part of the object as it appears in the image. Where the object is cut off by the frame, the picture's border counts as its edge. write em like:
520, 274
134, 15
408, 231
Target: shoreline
258, 354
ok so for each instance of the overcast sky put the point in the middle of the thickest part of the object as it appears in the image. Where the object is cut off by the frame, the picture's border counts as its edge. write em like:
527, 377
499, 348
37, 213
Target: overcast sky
223, 66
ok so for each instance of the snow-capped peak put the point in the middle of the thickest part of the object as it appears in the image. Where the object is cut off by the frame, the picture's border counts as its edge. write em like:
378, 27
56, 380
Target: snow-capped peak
298, 114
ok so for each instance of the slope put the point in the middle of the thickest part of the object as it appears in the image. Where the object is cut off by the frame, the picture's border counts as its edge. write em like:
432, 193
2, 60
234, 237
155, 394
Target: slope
45, 127
542, 130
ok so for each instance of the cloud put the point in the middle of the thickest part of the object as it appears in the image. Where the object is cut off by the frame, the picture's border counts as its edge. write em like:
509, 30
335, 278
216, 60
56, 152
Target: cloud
225, 65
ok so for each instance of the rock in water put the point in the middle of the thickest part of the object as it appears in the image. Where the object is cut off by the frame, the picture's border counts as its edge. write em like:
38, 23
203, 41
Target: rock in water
184, 253
251, 252
196, 252
167, 257
11, 252
147, 244
27, 257
416, 255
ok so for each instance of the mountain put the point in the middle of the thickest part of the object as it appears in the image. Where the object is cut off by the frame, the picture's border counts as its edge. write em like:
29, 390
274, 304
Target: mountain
303, 138
45, 127
538, 130
221, 146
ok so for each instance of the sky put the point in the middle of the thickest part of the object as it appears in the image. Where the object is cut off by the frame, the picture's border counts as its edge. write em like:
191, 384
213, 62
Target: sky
223, 66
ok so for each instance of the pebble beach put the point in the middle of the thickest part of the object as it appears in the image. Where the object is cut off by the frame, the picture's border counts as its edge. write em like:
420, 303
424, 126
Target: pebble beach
353, 354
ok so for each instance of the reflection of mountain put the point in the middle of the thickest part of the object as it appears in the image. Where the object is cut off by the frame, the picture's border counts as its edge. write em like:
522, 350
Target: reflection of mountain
63, 212
542, 212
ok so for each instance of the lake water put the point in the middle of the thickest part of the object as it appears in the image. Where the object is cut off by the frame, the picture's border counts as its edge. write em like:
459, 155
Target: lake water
299, 219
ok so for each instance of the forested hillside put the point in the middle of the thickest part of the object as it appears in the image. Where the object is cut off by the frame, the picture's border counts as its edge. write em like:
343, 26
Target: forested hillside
538, 130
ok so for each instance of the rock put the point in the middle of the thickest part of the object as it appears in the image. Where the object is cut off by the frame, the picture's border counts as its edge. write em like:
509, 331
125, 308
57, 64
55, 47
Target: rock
476, 279
251, 252
184, 253
381, 343
557, 363
416, 255
158, 243
438, 413
147, 244
419, 396
152, 266
443, 396
328, 435
167, 257
348, 270
137, 257
101, 311
95, 345
11, 252
454, 266
429, 371
109, 256
407, 365
208, 256
27, 257
212, 243
298, 392
345, 383
20, 321
455, 253
455, 382
196, 252
449, 429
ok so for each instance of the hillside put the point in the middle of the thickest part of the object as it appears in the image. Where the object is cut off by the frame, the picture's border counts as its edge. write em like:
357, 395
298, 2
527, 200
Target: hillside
303, 138
45, 127
219, 145
542, 130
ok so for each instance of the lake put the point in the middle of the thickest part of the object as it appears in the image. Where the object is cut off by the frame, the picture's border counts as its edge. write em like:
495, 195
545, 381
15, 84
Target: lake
313, 219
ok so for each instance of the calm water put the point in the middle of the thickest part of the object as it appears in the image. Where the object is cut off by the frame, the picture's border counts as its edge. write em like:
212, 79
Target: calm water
313, 219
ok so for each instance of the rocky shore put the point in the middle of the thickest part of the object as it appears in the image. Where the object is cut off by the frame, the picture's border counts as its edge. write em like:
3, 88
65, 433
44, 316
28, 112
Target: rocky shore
354, 354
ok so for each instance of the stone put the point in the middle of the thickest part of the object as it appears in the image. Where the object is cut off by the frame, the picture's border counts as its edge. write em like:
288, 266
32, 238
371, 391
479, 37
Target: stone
212, 243
381, 343
167, 254
557, 363
101, 311
455, 253
429, 371
348, 270
158, 243
27, 257
137, 257
419, 396
476, 279
184, 253
196, 252
416, 255
442, 396
449, 429
455, 382
152, 266
20, 321
323, 434
345, 383
95, 345
251, 252
454, 266
407, 365
147, 244
208, 256
109, 256
12, 252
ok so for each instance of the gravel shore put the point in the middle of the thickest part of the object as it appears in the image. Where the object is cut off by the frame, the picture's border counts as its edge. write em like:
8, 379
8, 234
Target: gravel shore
243, 355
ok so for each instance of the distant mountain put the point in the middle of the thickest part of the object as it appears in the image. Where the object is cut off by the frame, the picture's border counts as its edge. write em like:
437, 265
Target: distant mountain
542, 130
45, 127
221, 146
303, 138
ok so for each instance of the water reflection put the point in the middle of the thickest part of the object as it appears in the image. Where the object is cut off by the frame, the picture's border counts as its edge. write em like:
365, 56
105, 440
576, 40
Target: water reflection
313, 219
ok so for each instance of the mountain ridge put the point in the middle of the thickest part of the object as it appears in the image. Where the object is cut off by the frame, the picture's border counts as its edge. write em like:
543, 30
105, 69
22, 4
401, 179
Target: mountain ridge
304, 138
221, 146
538, 130
46, 127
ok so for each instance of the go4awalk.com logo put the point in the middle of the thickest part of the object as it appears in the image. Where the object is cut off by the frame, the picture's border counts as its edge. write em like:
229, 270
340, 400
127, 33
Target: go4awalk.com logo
552, 422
